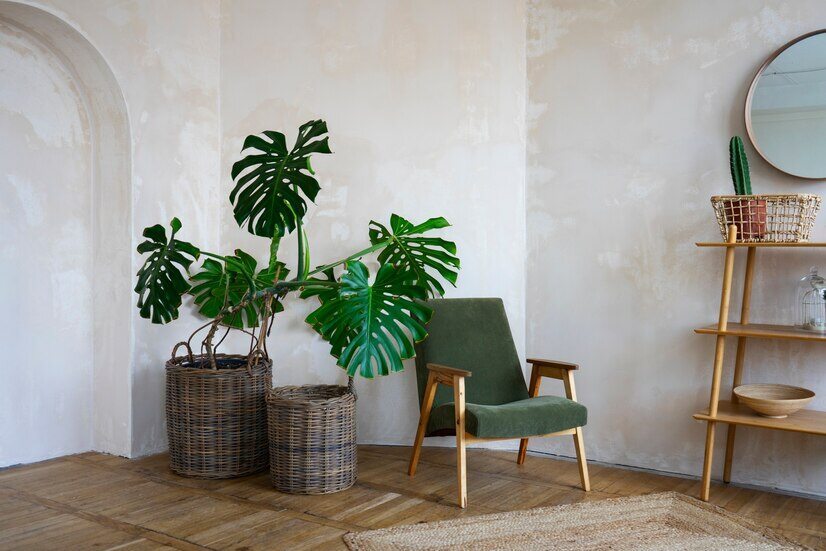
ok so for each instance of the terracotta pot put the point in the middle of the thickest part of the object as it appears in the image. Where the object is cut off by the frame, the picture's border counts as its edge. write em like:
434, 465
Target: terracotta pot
749, 215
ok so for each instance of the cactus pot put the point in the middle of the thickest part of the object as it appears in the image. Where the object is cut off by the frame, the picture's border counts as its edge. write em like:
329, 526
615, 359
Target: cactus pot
749, 215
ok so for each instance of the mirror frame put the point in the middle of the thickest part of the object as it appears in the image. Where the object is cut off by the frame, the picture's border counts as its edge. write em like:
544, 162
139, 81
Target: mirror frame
750, 94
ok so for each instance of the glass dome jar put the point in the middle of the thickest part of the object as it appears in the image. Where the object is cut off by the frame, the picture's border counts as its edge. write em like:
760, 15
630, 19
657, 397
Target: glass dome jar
811, 302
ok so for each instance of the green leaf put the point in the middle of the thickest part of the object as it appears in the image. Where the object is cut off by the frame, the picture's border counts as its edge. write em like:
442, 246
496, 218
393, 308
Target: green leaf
371, 328
221, 285
423, 257
267, 184
162, 278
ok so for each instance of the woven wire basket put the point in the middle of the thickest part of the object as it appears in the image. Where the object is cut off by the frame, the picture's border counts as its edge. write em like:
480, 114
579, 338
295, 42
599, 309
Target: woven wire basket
216, 420
312, 430
767, 218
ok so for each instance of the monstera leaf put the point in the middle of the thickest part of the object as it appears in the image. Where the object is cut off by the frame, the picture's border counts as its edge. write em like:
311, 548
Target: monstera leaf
268, 198
221, 285
421, 256
161, 279
370, 327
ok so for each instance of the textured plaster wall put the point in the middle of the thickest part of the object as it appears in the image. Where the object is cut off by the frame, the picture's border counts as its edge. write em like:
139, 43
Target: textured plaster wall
426, 109
45, 254
164, 58
630, 108
631, 105
425, 102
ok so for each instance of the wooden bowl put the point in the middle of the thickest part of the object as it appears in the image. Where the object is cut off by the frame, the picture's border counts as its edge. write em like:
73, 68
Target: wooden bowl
776, 401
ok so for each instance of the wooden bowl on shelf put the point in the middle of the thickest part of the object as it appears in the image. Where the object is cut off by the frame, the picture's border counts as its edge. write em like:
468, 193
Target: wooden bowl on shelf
776, 401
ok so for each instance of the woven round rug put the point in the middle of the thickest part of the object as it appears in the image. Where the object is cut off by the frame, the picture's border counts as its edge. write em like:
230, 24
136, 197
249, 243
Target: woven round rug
651, 522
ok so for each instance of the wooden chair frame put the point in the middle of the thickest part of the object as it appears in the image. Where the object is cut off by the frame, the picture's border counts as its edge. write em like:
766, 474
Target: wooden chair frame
448, 376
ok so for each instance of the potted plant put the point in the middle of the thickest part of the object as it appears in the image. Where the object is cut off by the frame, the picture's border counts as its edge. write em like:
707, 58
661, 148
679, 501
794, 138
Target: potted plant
371, 326
748, 213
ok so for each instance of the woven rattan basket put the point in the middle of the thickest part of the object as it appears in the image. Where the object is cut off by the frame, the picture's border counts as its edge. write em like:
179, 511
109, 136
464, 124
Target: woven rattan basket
312, 431
217, 419
767, 218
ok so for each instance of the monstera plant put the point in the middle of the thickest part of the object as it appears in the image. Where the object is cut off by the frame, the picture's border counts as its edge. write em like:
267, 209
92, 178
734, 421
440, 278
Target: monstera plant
371, 324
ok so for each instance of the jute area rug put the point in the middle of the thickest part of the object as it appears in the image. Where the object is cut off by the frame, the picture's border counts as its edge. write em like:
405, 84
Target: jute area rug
652, 522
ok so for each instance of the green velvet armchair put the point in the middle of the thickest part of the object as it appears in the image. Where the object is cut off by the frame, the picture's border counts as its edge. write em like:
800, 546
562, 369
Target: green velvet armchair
471, 385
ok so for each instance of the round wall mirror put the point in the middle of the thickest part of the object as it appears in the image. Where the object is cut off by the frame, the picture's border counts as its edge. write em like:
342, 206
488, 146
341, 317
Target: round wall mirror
786, 108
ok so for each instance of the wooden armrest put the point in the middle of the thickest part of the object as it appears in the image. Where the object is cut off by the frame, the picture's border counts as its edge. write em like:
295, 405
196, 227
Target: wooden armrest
555, 370
553, 363
450, 371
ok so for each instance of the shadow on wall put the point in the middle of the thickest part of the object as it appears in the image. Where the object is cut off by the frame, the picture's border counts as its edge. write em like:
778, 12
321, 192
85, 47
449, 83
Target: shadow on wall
47, 382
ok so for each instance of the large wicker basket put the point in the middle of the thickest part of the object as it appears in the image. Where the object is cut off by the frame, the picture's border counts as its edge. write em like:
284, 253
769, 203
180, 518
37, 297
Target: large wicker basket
767, 218
216, 420
312, 431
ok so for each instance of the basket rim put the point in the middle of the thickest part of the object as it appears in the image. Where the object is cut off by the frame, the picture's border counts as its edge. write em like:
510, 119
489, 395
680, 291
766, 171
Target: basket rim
768, 195
174, 364
273, 397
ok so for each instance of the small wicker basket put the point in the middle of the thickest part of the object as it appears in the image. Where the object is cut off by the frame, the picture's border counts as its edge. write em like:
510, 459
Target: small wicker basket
216, 420
767, 218
312, 432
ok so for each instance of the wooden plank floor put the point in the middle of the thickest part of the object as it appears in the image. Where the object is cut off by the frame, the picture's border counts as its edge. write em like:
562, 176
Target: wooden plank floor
96, 501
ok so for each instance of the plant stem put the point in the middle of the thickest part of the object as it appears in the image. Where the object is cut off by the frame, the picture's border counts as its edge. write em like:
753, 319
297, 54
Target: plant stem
208, 343
274, 244
361, 253
213, 255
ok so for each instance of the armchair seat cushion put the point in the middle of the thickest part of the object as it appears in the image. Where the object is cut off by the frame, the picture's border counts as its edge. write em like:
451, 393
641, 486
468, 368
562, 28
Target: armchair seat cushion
529, 417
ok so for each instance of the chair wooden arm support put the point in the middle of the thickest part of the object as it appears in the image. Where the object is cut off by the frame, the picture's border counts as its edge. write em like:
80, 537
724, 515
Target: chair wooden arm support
563, 371
455, 378
551, 368
452, 371
447, 375
553, 363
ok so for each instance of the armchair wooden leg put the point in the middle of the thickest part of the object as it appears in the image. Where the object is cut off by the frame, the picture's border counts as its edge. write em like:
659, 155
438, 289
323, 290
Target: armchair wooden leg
424, 417
579, 444
534, 392
523, 450
461, 458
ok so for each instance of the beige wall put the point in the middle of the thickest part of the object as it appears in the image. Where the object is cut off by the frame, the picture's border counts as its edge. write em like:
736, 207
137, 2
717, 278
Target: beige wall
425, 103
45, 280
426, 107
631, 105
165, 60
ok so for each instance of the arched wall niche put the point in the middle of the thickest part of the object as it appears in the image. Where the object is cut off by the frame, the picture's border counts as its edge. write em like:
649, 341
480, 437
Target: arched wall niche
111, 218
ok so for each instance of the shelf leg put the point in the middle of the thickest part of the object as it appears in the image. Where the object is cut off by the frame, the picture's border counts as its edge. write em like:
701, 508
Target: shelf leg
706, 485
719, 353
739, 359
730, 433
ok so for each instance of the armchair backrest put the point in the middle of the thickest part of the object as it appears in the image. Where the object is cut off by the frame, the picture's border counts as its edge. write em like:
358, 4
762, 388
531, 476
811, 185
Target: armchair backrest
472, 334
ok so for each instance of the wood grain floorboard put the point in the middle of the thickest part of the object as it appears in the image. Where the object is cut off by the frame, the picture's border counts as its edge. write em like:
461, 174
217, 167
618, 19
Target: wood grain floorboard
97, 501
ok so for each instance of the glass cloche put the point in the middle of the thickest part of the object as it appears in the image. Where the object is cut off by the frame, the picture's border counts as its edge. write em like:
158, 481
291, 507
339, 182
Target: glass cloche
811, 302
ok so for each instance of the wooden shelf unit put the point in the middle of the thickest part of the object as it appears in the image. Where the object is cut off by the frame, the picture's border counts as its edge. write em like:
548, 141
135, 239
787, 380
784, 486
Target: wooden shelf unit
805, 420
763, 331
801, 245
730, 412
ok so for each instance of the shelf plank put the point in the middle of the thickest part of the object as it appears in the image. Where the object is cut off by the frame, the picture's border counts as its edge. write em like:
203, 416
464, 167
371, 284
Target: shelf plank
805, 420
791, 245
763, 331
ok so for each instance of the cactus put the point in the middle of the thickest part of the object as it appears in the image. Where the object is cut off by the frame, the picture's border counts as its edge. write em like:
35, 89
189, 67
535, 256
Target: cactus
739, 167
